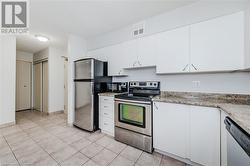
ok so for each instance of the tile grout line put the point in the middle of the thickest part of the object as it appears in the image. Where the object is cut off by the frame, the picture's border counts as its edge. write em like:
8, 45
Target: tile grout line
11, 150
41, 147
114, 152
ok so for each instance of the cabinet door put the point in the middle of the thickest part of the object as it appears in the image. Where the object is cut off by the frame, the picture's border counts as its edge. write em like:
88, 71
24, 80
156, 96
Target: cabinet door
170, 128
223, 138
173, 51
205, 135
129, 52
146, 51
115, 60
218, 44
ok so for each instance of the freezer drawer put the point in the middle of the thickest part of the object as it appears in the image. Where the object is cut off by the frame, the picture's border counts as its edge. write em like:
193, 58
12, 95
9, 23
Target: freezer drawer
84, 109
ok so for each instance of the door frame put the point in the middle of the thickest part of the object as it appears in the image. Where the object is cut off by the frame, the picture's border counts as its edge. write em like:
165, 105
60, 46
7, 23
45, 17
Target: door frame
65, 85
41, 104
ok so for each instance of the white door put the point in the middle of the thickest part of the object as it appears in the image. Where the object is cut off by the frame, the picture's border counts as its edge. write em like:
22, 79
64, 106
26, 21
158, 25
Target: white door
115, 60
171, 128
218, 44
45, 87
205, 135
146, 50
129, 54
173, 51
23, 85
66, 86
38, 86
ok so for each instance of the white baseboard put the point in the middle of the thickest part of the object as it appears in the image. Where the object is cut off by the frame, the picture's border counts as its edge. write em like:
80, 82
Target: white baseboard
7, 124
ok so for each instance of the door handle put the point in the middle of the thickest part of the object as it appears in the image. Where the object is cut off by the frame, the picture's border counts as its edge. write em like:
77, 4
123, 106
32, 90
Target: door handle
185, 68
194, 67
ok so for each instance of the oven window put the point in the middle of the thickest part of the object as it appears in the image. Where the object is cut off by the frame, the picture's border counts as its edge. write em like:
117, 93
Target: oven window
132, 114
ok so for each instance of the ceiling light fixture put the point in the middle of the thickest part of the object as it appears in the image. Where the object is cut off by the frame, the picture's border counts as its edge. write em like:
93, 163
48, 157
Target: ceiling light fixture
42, 38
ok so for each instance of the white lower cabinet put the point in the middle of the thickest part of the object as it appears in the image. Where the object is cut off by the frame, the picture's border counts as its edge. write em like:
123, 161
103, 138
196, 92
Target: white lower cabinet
106, 115
189, 132
205, 135
170, 128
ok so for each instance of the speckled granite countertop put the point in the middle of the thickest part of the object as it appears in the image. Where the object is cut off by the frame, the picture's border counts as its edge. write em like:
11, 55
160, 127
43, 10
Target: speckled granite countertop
109, 94
236, 106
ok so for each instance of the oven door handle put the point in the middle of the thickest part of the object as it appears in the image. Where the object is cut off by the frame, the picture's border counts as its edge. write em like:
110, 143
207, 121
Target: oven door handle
133, 101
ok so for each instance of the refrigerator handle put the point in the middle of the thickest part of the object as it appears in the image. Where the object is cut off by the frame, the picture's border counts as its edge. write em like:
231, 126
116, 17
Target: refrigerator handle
92, 88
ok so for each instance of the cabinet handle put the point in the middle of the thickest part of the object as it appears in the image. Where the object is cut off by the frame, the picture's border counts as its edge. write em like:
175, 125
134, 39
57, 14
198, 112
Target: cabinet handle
194, 67
105, 114
155, 106
105, 124
185, 68
134, 64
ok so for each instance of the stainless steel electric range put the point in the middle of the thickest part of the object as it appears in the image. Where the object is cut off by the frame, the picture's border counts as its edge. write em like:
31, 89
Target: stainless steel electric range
133, 115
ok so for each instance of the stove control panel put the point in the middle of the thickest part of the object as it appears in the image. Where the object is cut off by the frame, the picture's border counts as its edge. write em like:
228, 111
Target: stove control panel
146, 84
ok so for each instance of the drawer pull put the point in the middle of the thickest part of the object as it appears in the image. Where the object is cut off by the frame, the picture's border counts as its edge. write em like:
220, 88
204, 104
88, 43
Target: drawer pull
105, 124
105, 114
105, 106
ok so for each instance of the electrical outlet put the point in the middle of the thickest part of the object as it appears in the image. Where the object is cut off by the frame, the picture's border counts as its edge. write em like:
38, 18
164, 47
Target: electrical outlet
196, 84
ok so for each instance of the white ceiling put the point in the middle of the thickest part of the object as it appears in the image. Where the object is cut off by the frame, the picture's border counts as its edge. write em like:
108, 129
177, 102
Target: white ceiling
58, 18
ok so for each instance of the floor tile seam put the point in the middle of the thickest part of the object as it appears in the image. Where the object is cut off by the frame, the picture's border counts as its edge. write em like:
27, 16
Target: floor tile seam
12, 151
118, 155
43, 149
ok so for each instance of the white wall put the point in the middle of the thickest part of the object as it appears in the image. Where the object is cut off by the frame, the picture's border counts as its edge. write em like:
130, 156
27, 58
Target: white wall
76, 50
24, 56
43, 54
56, 80
237, 83
8, 79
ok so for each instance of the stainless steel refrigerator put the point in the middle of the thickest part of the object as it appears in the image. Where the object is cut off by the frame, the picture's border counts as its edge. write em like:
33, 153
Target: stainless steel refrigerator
90, 79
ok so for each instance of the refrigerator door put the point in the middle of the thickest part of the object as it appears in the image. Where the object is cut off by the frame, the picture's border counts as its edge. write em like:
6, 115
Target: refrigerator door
84, 69
84, 110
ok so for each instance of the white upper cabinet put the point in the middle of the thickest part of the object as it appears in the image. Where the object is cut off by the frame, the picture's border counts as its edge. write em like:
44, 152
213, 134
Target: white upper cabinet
115, 60
218, 44
205, 135
209, 46
146, 51
173, 51
129, 56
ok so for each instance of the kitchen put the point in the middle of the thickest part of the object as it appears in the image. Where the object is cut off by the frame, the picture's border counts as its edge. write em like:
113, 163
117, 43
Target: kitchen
170, 89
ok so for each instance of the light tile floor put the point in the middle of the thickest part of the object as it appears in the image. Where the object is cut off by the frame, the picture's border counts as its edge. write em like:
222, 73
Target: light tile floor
42, 140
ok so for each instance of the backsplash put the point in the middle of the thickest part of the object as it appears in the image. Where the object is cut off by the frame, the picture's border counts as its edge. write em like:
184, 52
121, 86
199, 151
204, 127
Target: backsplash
229, 83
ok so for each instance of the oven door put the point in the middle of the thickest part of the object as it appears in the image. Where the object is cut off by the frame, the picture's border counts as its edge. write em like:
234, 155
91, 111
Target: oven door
134, 115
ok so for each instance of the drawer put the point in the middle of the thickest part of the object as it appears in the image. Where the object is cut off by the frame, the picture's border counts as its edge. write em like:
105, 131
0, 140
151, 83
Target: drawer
107, 113
105, 99
108, 125
107, 106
